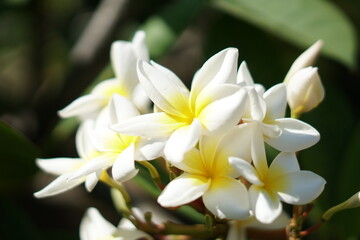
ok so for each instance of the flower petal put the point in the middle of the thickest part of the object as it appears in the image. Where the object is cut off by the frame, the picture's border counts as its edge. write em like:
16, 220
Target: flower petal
299, 187
266, 205
139, 46
256, 106
282, 164
83, 106
148, 125
121, 109
192, 162
183, 189
93, 226
219, 69
92, 180
246, 170
182, 140
123, 60
59, 185
141, 100
276, 102
58, 166
124, 165
83, 143
244, 77
295, 136
150, 148
164, 88
227, 198
222, 115
102, 162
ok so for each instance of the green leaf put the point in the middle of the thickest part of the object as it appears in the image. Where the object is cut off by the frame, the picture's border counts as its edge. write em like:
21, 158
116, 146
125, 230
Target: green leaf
301, 22
17, 157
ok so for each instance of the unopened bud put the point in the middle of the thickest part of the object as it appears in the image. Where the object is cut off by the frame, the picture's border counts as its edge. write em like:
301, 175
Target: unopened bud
352, 202
306, 59
304, 90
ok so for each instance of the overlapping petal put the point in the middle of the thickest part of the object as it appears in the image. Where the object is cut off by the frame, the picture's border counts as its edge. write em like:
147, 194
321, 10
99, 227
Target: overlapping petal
276, 102
123, 168
227, 198
58, 166
183, 189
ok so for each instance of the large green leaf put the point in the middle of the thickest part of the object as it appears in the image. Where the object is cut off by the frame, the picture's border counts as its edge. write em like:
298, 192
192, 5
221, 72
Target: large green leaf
17, 156
301, 22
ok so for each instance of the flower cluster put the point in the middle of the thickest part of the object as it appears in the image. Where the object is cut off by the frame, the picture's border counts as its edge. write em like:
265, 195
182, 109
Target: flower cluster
214, 135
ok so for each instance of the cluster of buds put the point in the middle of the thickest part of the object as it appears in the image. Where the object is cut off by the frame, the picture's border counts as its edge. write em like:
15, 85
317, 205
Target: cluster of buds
213, 135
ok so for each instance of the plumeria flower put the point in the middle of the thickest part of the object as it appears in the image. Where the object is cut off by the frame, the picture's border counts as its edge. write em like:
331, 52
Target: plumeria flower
208, 174
214, 104
94, 227
124, 56
117, 150
304, 90
66, 167
237, 229
268, 111
282, 181
306, 59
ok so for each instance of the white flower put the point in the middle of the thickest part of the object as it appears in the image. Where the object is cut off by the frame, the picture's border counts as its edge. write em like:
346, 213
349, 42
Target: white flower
118, 151
304, 90
124, 56
306, 59
214, 105
283, 180
268, 112
66, 167
208, 174
94, 227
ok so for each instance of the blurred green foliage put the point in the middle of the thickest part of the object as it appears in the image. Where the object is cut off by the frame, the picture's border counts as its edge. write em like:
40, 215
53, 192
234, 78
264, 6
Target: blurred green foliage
37, 42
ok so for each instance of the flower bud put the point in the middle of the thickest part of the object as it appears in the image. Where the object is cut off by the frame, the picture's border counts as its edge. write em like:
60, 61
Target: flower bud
306, 59
304, 90
352, 202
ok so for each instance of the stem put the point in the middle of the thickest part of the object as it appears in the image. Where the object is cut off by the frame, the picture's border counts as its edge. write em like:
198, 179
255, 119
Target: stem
294, 227
154, 174
105, 178
295, 115
255, 233
311, 229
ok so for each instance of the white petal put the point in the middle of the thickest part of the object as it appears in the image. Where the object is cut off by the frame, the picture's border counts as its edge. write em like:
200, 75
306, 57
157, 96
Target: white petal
236, 231
59, 185
182, 140
140, 47
149, 149
258, 153
92, 180
295, 136
93, 226
219, 69
306, 59
282, 164
244, 77
84, 105
192, 163
83, 143
99, 163
58, 166
164, 88
148, 125
223, 114
227, 198
240, 135
256, 105
183, 189
246, 170
121, 109
124, 60
141, 100
276, 102
267, 206
124, 165
299, 187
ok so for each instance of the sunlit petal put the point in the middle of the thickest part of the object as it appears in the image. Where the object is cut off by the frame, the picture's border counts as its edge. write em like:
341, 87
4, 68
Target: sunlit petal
282, 164
182, 140
121, 109
150, 148
183, 189
276, 102
227, 198
92, 180
93, 226
295, 136
139, 46
246, 170
83, 105
267, 206
124, 165
58, 166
